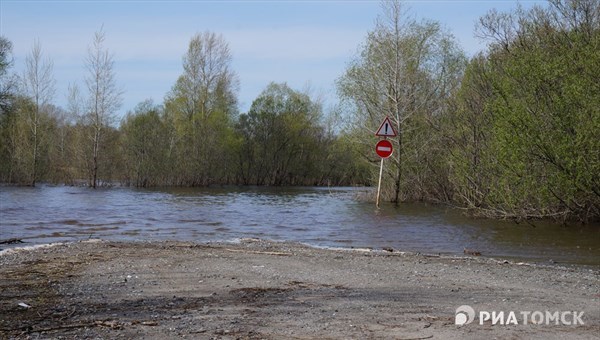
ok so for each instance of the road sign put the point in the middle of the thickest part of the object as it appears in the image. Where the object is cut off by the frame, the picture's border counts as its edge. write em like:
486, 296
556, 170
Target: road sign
384, 148
386, 129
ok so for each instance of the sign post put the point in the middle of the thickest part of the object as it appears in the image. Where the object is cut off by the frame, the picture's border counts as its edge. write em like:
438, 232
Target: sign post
379, 183
384, 149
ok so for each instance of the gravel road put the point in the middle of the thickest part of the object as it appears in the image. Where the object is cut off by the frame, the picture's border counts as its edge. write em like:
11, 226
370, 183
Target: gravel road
266, 290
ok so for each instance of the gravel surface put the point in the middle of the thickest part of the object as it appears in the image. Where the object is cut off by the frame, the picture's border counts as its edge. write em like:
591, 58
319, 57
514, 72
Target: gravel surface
265, 290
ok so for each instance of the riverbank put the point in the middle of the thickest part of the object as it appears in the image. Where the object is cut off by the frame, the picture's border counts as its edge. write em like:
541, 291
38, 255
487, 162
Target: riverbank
265, 290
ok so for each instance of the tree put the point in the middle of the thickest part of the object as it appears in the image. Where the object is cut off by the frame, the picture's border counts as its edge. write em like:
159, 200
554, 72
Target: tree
23, 118
145, 146
406, 70
104, 99
62, 163
38, 86
7, 89
467, 132
532, 105
7, 83
281, 138
201, 107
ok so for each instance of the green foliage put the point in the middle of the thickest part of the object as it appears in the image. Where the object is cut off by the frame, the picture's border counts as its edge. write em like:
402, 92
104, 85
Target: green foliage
7, 116
532, 106
514, 135
7, 83
283, 142
145, 147
200, 110
406, 71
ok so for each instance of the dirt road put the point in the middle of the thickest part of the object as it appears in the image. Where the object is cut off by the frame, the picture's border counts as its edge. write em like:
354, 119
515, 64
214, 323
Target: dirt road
265, 290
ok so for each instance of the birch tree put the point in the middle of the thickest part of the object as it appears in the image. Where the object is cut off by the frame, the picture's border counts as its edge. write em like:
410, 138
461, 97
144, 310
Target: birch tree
104, 100
404, 70
201, 106
38, 86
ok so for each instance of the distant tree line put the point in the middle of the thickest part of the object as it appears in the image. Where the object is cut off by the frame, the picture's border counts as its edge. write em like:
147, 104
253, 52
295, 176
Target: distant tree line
196, 138
513, 132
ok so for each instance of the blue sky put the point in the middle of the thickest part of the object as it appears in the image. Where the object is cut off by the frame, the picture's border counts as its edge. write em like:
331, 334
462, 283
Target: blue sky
303, 43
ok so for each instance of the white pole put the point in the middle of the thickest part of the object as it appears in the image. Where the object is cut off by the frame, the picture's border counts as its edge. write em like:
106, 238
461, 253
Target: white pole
379, 184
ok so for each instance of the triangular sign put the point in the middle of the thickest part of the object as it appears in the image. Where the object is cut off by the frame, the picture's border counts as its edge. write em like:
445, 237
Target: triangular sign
386, 129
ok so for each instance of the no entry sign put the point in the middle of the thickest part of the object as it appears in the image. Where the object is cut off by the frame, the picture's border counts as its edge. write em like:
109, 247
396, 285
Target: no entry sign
384, 148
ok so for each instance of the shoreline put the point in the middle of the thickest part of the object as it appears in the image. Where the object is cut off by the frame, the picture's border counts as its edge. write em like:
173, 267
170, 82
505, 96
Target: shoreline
516, 260
258, 289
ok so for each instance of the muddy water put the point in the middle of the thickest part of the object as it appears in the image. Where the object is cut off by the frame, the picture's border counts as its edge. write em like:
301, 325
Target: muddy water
328, 217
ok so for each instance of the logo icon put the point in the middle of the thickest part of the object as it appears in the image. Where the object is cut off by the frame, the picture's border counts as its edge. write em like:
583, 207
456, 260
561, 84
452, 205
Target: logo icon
464, 315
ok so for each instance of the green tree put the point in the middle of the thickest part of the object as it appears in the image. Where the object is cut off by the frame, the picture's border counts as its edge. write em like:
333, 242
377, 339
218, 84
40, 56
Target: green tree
145, 146
282, 138
61, 163
406, 71
7, 117
201, 107
7, 82
532, 104
17, 141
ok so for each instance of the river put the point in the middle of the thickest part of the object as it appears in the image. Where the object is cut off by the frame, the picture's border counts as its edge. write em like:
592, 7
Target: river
325, 217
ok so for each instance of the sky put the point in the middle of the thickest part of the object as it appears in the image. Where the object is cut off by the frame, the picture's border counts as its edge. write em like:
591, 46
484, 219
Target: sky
307, 44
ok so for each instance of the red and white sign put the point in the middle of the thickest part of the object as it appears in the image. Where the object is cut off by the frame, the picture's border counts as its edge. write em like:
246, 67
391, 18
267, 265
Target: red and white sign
384, 148
386, 129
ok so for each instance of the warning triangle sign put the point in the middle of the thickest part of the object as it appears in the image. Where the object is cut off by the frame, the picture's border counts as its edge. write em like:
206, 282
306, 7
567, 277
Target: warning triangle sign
386, 129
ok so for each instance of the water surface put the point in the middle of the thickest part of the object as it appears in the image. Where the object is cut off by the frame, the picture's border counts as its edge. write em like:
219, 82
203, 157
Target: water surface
329, 217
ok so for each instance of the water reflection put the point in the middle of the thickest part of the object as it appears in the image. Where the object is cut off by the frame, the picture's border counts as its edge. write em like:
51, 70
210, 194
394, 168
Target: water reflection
317, 216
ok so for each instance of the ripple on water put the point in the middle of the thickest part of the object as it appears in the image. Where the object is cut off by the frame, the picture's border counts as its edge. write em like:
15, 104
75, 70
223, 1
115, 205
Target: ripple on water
309, 215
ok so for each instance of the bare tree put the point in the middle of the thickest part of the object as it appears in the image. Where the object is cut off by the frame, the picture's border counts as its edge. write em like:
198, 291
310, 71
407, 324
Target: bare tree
105, 98
38, 86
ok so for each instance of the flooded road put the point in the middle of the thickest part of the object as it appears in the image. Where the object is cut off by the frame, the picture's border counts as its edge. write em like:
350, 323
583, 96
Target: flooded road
327, 217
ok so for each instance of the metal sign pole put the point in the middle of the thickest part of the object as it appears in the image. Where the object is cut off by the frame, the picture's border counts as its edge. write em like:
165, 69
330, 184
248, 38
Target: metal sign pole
379, 185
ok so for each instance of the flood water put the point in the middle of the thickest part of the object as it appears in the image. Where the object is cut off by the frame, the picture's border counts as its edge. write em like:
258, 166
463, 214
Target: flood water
328, 217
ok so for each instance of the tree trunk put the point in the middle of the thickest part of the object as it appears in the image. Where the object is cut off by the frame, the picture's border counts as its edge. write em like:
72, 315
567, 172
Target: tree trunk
35, 155
95, 160
399, 174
